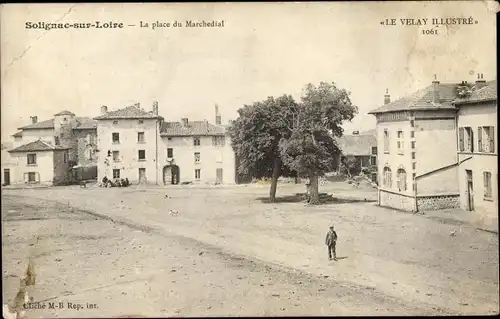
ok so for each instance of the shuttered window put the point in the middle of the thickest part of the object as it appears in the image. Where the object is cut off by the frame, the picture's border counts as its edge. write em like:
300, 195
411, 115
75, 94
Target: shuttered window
461, 139
480, 139
492, 139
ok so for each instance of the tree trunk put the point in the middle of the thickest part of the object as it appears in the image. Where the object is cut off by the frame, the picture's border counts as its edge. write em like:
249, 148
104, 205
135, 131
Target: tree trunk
314, 190
274, 179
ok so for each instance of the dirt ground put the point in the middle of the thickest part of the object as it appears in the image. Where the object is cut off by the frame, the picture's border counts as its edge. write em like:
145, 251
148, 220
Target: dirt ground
119, 252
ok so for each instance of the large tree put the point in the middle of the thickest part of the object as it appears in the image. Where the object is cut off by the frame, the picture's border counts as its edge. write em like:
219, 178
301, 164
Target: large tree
256, 135
315, 124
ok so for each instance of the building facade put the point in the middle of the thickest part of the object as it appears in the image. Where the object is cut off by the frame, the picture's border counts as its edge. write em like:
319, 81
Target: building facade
362, 148
141, 146
39, 162
478, 150
65, 131
417, 150
127, 142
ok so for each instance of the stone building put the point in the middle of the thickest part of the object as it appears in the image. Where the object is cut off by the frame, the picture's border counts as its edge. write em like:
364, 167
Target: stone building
417, 149
362, 147
196, 152
478, 150
76, 135
39, 162
143, 147
127, 143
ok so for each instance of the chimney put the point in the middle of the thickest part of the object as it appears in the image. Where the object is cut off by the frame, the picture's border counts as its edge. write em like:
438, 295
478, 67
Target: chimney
355, 133
155, 108
480, 82
104, 109
435, 90
185, 122
34, 119
217, 116
387, 97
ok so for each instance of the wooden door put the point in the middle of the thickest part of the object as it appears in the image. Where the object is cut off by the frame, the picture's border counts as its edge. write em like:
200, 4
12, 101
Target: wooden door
142, 175
219, 176
6, 176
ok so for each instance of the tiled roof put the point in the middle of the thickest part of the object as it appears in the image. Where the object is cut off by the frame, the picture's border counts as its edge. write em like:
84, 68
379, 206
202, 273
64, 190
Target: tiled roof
18, 134
422, 100
84, 123
48, 124
357, 145
37, 146
486, 93
130, 112
65, 113
194, 128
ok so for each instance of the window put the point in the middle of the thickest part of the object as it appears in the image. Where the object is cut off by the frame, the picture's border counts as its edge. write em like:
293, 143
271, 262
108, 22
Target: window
387, 177
142, 155
31, 177
413, 176
412, 134
414, 166
116, 173
374, 150
487, 185
196, 141
413, 145
466, 139
141, 121
401, 179
116, 138
31, 159
196, 157
219, 157
412, 155
373, 160
115, 122
486, 139
400, 142
218, 141
140, 137
116, 156
170, 152
91, 139
56, 140
197, 174
386, 141
65, 157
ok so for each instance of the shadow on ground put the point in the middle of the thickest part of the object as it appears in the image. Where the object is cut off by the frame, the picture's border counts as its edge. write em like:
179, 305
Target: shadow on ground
300, 198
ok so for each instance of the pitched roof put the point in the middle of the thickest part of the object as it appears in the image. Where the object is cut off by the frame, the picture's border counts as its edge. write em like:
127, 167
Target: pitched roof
357, 145
486, 93
130, 112
18, 134
37, 146
84, 123
194, 128
65, 112
422, 100
48, 124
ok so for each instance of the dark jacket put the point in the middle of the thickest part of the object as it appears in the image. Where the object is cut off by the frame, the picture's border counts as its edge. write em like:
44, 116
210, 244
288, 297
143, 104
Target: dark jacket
331, 238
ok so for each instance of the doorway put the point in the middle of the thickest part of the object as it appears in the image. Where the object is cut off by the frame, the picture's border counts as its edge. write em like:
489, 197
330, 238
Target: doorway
470, 190
171, 175
6, 176
142, 175
219, 176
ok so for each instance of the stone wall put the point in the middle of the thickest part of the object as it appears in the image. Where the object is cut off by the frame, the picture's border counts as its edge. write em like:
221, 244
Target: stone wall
397, 201
426, 203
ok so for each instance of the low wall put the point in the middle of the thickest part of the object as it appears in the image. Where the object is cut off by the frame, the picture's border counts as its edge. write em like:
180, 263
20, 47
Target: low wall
436, 202
395, 200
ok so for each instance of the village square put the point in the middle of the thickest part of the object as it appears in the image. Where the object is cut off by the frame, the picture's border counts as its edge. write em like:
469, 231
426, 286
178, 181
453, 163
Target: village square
323, 196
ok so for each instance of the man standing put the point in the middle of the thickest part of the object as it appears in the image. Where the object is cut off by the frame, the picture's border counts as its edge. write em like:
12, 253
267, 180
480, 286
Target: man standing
331, 241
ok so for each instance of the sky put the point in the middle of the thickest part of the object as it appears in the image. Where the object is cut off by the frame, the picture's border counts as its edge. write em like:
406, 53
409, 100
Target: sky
264, 49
